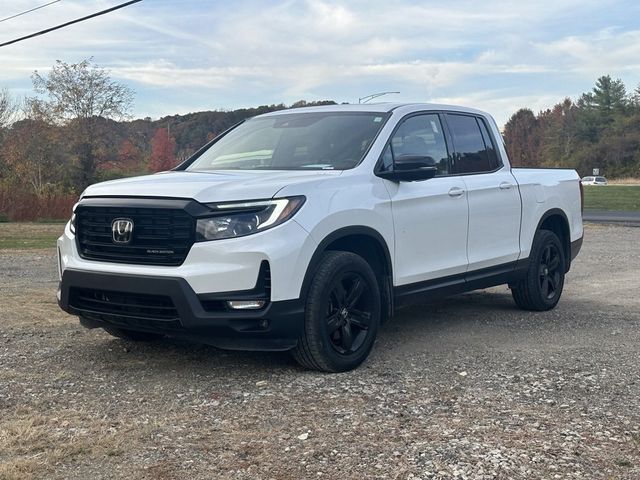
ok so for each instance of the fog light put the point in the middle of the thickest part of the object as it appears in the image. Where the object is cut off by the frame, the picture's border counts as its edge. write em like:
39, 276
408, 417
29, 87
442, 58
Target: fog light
246, 304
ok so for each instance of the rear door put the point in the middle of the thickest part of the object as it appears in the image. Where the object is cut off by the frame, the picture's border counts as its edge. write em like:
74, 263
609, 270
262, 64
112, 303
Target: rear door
493, 195
430, 217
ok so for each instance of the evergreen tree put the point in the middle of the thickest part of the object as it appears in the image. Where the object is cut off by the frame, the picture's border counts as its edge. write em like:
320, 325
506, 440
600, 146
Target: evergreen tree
607, 97
634, 99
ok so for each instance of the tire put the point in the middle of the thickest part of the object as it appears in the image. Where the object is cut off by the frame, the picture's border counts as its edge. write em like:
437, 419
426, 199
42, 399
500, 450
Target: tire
133, 335
541, 288
342, 314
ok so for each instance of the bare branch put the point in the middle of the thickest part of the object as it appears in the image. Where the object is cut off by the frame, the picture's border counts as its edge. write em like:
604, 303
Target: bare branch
8, 108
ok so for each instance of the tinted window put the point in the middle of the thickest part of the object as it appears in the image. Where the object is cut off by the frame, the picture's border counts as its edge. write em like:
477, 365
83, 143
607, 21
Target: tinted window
420, 135
299, 141
601, 179
472, 155
488, 143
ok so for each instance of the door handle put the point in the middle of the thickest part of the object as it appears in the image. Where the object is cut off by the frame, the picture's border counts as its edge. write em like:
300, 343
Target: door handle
456, 192
505, 185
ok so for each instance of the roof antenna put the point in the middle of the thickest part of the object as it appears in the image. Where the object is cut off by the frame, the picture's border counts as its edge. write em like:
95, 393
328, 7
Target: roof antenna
366, 98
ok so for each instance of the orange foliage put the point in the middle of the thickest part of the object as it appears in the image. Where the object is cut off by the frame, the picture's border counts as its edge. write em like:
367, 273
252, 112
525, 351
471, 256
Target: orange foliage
163, 151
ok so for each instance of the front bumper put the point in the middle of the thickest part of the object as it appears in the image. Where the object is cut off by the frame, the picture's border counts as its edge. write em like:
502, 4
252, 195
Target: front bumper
185, 314
220, 265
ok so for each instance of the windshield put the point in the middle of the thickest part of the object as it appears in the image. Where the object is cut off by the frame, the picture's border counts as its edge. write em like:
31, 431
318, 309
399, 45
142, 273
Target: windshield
295, 141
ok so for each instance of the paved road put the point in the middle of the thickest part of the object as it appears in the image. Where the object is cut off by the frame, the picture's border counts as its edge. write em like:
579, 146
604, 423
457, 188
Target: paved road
609, 216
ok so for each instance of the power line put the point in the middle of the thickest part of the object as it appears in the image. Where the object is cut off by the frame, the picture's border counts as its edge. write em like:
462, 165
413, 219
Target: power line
28, 11
42, 32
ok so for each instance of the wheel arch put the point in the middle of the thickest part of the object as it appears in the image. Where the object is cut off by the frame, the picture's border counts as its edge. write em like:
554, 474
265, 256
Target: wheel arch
370, 245
556, 221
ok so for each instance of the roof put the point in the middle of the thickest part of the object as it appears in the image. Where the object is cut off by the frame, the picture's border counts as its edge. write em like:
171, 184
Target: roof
383, 107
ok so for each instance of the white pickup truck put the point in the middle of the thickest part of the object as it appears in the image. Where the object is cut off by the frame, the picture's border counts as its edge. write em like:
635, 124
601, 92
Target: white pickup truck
304, 229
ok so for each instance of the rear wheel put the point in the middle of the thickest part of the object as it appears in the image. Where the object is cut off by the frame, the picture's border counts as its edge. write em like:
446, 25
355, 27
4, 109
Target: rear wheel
342, 314
132, 334
541, 288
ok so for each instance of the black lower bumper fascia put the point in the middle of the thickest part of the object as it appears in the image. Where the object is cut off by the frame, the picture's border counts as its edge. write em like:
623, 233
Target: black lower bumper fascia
277, 326
575, 247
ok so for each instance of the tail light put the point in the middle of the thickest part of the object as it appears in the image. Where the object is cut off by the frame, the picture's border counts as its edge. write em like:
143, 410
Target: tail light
581, 197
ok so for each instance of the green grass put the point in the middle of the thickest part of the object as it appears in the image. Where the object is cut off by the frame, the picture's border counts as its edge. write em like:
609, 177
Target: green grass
612, 197
44, 235
29, 235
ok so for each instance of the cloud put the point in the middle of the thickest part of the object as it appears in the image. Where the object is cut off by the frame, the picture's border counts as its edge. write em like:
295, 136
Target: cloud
497, 54
607, 50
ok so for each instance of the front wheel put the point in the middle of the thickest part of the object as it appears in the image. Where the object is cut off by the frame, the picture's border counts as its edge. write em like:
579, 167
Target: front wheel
542, 286
342, 314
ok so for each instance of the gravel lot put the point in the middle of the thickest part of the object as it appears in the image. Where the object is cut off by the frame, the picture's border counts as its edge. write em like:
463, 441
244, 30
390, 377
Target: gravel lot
468, 388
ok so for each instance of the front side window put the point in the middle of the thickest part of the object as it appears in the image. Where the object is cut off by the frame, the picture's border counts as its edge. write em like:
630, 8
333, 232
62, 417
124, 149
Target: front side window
475, 152
294, 141
420, 135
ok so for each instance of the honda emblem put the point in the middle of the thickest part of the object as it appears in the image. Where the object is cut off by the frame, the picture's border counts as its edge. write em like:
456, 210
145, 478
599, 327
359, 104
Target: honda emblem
122, 230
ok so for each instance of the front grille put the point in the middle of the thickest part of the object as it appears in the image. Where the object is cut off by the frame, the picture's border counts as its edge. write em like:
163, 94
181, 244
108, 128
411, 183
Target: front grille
161, 236
122, 304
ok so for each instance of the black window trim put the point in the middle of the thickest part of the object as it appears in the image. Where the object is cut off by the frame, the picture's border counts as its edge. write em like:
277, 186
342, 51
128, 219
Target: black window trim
501, 163
445, 131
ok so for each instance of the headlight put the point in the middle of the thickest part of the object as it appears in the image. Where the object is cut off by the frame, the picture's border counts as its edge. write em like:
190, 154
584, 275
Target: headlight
229, 220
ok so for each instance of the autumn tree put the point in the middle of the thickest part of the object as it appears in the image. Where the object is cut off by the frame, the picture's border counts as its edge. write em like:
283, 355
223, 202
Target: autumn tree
600, 130
128, 156
78, 96
32, 152
163, 148
522, 138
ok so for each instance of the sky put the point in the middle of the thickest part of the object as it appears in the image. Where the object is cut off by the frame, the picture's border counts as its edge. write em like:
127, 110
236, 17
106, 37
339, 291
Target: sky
195, 55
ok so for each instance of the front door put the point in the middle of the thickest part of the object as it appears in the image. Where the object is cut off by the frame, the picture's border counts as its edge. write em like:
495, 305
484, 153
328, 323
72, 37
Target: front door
430, 217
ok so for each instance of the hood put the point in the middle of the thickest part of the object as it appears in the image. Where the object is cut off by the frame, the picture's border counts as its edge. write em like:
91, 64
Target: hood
205, 187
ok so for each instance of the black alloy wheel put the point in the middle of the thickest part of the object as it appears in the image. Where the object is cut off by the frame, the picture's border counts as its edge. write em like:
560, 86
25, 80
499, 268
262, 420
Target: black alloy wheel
549, 271
342, 314
349, 313
541, 287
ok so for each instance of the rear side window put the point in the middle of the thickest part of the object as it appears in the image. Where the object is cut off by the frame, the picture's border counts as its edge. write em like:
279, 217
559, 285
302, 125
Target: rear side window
488, 143
474, 149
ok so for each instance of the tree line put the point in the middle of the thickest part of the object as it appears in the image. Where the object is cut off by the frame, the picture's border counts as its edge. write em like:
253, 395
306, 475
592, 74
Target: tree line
601, 129
76, 129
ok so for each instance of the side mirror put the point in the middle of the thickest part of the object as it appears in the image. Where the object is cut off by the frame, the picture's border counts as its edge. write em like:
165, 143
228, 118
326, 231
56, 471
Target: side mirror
411, 168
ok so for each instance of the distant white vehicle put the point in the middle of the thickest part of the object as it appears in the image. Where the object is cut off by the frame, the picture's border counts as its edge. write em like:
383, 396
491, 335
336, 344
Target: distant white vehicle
594, 181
